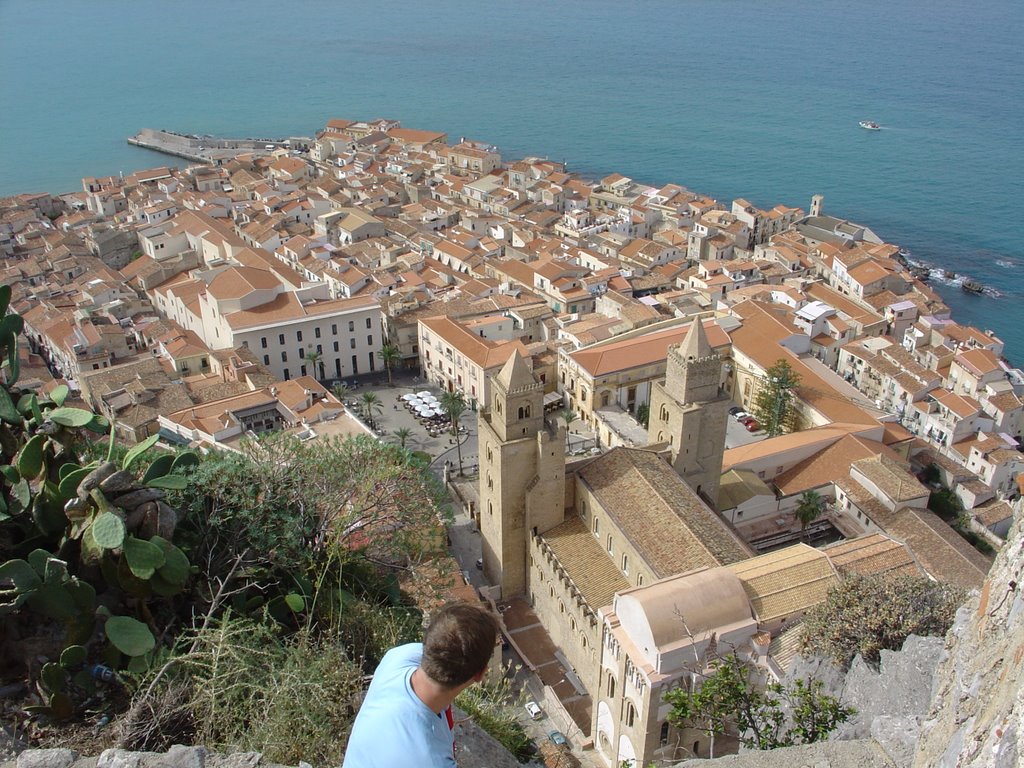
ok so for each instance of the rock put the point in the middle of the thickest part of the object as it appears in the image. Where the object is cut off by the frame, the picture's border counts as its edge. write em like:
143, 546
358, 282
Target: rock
182, 757
122, 758
46, 758
824, 754
10, 746
897, 736
234, 760
119, 482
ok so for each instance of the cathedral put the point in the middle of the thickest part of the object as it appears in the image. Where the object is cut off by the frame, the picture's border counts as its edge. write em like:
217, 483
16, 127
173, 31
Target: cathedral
631, 573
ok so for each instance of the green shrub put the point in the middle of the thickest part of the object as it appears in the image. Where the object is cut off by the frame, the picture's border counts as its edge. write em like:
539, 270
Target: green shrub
495, 707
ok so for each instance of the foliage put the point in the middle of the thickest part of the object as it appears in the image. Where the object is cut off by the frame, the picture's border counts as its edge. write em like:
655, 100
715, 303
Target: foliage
390, 355
316, 360
496, 708
931, 474
945, 503
773, 406
865, 614
371, 406
728, 701
239, 685
454, 405
84, 544
403, 434
290, 517
809, 509
643, 414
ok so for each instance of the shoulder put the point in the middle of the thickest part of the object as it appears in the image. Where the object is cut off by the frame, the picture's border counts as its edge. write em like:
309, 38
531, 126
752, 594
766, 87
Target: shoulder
401, 657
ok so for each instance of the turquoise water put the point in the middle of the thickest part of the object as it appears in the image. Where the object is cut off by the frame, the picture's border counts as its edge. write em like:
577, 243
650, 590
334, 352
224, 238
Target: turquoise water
731, 98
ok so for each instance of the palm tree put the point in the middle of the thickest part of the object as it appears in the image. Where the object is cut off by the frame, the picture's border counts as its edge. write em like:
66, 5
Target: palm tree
454, 405
341, 390
810, 509
370, 405
390, 355
569, 415
403, 434
316, 359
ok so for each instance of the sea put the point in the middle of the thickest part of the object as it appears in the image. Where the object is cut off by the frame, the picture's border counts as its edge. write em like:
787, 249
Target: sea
731, 98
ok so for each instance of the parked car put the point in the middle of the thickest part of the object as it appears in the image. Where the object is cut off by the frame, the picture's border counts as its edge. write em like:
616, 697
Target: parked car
741, 415
751, 424
479, 563
534, 711
735, 410
557, 738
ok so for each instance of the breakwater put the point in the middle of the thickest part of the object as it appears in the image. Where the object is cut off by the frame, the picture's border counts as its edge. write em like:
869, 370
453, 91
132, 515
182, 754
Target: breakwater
212, 149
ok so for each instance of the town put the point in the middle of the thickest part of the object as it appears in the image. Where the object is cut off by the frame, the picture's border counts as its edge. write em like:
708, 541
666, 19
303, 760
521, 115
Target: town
611, 342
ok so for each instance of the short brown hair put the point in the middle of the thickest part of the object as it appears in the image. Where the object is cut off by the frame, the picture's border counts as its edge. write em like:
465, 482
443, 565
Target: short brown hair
458, 643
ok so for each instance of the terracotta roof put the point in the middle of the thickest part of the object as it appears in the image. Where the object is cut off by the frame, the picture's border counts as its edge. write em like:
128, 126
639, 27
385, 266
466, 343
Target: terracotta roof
661, 516
236, 282
484, 353
872, 554
940, 550
586, 563
786, 582
829, 464
638, 351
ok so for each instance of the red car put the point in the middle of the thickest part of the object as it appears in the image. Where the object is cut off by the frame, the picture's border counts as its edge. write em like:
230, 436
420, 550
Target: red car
751, 424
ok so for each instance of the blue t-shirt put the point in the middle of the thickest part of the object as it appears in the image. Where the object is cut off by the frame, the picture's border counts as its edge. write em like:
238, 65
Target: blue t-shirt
394, 728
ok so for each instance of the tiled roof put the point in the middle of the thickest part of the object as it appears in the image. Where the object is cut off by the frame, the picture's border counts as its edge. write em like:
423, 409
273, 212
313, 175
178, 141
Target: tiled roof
641, 350
786, 582
590, 569
665, 521
872, 554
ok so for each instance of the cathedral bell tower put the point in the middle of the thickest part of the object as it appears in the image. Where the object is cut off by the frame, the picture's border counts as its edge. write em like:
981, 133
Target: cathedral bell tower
522, 474
689, 412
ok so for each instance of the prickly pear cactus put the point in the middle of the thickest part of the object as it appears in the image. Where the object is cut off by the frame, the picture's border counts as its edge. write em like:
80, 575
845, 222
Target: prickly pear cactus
96, 529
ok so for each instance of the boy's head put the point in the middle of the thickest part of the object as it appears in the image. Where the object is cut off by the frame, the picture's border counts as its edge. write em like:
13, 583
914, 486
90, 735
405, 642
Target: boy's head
458, 643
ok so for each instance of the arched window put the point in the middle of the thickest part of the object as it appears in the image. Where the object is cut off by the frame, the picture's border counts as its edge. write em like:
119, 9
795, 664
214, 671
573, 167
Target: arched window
521, 411
572, 624
664, 412
497, 405
609, 544
527, 411
611, 687
596, 526
630, 714
625, 564
664, 733
490, 455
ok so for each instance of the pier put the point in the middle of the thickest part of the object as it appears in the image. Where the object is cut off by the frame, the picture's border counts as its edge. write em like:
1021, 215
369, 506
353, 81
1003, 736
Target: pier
211, 149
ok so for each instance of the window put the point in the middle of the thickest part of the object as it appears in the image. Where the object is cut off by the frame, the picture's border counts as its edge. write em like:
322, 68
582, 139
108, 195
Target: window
352, 343
369, 322
596, 526
286, 374
640, 580
302, 354
298, 335
611, 687
303, 371
630, 714
625, 564
316, 332
664, 733
351, 325
266, 359
263, 342
369, 340
335, 346
609, 544
284, 357
334, 329
280, 338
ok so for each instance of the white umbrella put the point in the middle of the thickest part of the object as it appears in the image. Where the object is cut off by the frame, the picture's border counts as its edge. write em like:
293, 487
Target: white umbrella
424, 393
409, 397
415, 402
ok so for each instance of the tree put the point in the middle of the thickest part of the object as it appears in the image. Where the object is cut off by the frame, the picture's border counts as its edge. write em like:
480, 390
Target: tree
569, 416
773, 405
315, 359
390, 355
865, 614
341, 390
403, 434
371, 406
643, 414
728, 701
810, 509
454, 405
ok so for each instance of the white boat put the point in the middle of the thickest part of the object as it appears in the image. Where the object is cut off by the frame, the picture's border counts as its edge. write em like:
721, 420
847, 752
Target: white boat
870, 125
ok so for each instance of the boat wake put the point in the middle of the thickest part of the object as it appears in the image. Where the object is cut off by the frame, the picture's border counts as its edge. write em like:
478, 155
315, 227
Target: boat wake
1006, 264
